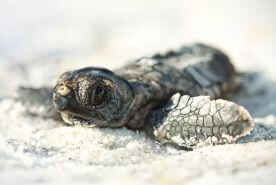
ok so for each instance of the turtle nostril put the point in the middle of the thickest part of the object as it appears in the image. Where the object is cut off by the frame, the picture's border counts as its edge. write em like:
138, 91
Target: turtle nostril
59, 101
63, 90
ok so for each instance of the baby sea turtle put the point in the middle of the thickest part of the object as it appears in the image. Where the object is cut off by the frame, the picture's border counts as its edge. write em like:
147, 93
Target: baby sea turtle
172, 96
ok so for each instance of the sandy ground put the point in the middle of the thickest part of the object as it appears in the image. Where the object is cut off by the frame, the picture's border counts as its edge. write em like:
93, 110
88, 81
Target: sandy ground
39, 40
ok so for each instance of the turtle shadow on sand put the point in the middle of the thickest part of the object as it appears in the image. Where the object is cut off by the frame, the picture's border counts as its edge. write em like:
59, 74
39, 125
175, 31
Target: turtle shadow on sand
257, 94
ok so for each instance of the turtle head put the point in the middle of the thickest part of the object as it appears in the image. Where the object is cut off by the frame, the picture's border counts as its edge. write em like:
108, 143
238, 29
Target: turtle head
92, 96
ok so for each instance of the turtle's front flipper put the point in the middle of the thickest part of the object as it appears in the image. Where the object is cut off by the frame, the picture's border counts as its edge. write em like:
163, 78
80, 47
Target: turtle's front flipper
38, 101
195, 121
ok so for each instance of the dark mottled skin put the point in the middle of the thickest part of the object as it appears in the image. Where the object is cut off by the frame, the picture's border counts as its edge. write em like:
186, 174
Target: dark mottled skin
173, 97
196, 70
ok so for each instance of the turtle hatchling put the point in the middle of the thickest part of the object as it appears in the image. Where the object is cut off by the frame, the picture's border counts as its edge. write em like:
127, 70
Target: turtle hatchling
174, 97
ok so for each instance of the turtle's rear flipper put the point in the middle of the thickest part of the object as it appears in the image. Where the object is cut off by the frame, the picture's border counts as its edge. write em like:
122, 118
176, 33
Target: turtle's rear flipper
196, 121
39, 101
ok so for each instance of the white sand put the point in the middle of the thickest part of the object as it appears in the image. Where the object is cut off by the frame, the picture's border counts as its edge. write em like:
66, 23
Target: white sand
41, 39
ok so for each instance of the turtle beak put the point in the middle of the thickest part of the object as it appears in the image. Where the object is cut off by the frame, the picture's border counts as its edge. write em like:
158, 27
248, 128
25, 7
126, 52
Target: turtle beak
59, 101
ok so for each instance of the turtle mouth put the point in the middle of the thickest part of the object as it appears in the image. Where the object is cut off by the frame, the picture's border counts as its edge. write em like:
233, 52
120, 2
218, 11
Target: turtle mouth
74, 119
78, 117
78, 120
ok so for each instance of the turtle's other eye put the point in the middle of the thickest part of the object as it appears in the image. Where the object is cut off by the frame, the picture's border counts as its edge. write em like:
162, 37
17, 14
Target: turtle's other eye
100, 95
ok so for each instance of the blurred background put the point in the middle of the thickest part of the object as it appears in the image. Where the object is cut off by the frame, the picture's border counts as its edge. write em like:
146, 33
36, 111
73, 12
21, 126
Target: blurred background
39, 40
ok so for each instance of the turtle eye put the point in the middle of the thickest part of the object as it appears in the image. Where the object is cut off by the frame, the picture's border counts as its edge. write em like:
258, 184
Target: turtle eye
99, 95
